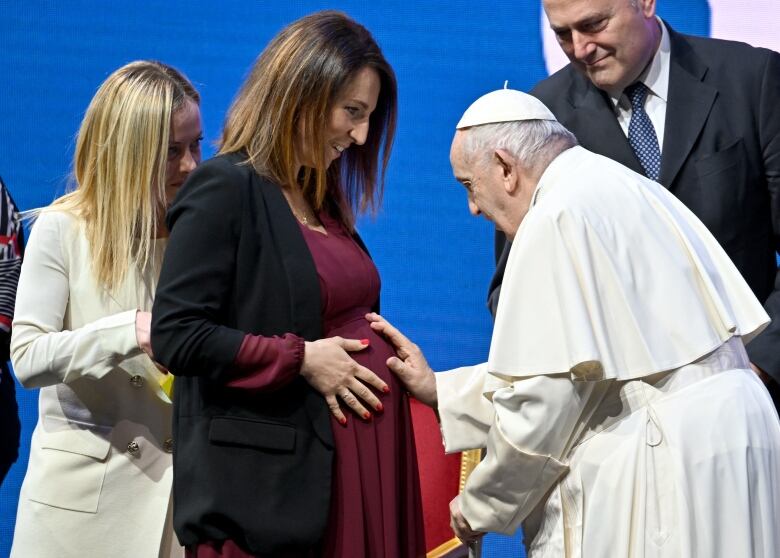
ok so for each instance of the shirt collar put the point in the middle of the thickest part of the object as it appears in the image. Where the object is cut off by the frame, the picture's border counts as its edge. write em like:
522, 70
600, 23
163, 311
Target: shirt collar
656, 75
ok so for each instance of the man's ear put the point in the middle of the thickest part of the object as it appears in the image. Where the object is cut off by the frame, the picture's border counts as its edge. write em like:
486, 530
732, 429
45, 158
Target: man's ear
647, 7
507, 162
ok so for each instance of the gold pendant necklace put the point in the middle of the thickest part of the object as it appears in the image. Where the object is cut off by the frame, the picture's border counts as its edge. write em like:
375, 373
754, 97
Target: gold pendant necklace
302, 218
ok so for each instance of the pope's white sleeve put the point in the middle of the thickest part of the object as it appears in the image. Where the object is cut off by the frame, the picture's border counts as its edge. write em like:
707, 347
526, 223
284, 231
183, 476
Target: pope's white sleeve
41, 351
464, 412
533, 423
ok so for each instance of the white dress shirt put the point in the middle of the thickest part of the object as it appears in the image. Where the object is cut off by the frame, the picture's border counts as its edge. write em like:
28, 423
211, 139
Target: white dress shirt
656, 78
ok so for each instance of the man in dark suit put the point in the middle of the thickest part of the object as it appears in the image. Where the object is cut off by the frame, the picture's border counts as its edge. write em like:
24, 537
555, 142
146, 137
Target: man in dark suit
701, 116
11, 246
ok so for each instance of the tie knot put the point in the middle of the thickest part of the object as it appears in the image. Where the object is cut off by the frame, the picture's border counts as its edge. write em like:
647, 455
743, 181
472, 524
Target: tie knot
636, 93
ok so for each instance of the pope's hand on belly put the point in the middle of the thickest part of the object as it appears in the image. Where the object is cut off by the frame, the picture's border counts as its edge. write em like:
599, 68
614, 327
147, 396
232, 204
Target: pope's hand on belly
410, 365
330, 370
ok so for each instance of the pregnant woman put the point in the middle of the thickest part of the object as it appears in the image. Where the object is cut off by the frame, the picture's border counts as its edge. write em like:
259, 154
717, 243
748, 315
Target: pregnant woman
260, 312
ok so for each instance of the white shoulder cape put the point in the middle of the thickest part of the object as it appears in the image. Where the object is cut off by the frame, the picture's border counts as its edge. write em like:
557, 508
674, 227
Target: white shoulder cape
610, 276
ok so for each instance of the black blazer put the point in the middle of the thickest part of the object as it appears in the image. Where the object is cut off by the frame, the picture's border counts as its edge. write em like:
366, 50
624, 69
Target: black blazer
721, 154
254, 467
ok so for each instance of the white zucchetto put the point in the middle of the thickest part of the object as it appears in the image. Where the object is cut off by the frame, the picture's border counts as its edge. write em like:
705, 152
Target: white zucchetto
504, 105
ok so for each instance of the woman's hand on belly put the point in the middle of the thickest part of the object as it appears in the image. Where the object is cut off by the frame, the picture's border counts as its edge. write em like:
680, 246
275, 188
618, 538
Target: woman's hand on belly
330, 370
410, 365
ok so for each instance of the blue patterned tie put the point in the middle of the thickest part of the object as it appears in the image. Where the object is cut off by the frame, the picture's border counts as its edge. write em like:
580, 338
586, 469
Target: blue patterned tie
641, 134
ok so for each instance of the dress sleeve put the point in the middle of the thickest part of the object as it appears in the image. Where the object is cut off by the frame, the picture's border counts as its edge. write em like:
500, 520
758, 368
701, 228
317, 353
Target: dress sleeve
534, 423
267, 363
42, 352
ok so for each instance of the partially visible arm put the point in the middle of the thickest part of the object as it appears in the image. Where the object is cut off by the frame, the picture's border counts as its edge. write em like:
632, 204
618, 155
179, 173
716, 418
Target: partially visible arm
11, 248
464, 412
534, 421
267, 363
764, 350
10, 257
192, 298
457, 395
42, 353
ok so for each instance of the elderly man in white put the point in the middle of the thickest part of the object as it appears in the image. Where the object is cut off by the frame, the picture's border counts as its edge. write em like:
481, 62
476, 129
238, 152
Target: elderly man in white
618, 409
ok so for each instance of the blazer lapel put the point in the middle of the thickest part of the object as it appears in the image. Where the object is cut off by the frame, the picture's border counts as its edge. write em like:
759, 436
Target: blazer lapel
303, 282
688, 106
598, 127
301, 274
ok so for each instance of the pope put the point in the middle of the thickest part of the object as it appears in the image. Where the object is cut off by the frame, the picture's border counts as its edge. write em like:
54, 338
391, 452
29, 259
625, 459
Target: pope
617, 407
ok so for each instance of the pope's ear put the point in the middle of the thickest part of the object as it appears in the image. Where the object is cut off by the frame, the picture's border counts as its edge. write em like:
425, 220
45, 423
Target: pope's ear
508, 163
647, 7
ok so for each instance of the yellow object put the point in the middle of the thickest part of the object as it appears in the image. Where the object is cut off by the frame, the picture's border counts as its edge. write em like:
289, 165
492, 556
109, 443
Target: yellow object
166, 383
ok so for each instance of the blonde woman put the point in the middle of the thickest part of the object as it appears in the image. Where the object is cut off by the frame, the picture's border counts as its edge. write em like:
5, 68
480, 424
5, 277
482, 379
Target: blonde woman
99, 477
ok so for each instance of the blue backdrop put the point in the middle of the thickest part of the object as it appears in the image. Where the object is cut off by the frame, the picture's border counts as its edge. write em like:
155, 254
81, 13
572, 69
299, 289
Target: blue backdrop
434, 259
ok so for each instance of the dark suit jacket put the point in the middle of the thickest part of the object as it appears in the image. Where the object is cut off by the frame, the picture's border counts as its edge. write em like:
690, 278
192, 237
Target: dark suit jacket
721, 154
254, 467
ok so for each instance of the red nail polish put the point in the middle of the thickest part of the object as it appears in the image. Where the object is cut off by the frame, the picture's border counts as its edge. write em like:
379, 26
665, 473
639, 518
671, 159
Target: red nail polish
380, 407
367, 415
386, 389
364, 341
342, 421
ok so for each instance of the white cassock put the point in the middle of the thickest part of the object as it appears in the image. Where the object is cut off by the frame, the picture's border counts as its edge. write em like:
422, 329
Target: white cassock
617, 407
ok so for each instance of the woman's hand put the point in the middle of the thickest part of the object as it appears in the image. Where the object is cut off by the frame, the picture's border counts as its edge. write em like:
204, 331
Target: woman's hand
330, 370
143, 328
410, 366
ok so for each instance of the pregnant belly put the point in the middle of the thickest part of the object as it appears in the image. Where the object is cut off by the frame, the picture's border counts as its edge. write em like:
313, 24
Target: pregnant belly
375, 355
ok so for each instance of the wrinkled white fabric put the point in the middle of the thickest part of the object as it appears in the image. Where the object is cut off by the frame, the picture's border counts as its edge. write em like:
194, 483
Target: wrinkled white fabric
84, 494
683, 463
610, 276
618, 410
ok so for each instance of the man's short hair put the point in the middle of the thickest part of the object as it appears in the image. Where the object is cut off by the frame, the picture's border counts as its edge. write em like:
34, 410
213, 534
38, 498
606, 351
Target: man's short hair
532, 142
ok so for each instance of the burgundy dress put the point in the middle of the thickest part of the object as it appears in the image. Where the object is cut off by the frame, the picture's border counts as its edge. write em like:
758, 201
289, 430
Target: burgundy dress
376, 510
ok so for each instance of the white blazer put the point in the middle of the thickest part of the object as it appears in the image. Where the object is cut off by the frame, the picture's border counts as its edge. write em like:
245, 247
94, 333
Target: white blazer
99, 477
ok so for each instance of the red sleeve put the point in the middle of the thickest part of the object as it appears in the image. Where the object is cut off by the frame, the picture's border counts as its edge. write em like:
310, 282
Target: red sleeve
267, 363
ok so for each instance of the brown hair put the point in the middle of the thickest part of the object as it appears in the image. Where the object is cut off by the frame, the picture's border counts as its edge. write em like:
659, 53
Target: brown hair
286, 102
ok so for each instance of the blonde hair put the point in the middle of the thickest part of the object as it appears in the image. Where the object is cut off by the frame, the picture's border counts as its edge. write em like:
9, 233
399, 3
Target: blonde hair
285, 103
119, 165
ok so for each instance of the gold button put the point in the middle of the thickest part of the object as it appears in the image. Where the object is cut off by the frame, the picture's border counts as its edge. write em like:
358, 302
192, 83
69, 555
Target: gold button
137, 381
133, 448
168, 445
